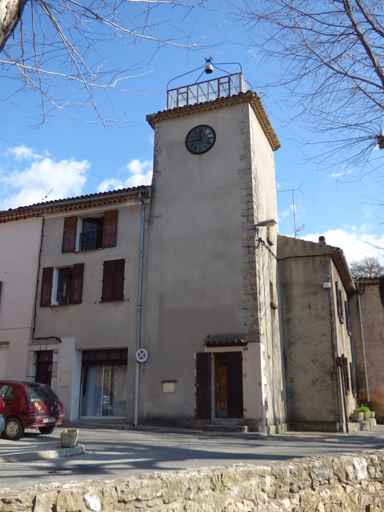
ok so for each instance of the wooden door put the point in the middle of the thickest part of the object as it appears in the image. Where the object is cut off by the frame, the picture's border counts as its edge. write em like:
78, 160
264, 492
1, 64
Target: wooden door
203, 386
235, 384
221, 392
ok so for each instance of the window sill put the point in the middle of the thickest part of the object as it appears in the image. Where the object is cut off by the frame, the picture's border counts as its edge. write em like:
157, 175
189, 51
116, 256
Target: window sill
61, 305
273, 305
341, 319
269, 240
91, 250
112, 300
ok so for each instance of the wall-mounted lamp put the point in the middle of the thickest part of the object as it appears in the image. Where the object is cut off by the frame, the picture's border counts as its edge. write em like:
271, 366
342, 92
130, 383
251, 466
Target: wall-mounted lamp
265, 223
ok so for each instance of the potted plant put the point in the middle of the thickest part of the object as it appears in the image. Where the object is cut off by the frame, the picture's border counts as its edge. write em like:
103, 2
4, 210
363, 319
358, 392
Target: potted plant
357, 416
361, 413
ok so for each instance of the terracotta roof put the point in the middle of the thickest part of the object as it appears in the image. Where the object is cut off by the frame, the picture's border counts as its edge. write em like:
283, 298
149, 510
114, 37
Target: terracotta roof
341, 264
367, 280
226, 343
243, 97
73, 203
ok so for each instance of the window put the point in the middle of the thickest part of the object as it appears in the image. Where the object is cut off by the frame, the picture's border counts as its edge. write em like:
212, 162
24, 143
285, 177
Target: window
7, 391
92, 235
339, 300
347, 318
44, 363
62, 286
84, 234
113, 280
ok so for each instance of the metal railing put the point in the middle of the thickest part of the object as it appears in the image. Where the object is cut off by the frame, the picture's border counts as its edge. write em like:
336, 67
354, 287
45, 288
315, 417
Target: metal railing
206, 91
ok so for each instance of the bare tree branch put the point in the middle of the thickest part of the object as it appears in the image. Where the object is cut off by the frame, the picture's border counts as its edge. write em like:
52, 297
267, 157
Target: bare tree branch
64, 44
330, 56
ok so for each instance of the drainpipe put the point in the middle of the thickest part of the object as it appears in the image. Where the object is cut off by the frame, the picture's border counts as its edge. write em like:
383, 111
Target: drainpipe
364, 353
37, 291
137, 373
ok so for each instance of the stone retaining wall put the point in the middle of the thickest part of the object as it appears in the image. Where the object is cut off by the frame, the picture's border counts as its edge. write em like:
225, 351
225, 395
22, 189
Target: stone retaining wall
351, 482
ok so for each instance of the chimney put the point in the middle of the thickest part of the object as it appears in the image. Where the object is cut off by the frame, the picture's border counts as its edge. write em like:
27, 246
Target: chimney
322, 240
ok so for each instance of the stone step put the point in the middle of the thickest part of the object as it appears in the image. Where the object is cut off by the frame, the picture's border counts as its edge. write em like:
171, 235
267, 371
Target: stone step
227, 421
225, 428
362, 425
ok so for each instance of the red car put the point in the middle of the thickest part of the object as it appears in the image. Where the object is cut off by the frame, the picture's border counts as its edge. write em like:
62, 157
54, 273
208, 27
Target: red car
29, 405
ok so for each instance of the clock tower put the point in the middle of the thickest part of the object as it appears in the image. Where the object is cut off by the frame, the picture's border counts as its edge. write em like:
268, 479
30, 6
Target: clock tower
210, 311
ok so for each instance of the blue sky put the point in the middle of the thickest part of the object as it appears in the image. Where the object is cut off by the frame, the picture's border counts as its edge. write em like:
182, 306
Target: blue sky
70, 157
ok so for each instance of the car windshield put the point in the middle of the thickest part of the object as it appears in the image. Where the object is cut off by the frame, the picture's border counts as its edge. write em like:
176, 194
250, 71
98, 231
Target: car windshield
41, 393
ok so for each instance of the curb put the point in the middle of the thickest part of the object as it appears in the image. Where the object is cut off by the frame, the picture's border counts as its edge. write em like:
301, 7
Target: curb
44, 454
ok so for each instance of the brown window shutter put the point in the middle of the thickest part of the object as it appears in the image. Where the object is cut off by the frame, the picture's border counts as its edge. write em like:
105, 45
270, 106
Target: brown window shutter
77, 286
118, 281
113, 280
203, 385
69, 237
107, 293
110, 228
46, 287
235, 384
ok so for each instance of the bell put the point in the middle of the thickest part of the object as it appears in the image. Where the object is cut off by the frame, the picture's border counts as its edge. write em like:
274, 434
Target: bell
208, 67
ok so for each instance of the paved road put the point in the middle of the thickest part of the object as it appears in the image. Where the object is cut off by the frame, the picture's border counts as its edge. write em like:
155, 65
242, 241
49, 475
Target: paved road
122, 453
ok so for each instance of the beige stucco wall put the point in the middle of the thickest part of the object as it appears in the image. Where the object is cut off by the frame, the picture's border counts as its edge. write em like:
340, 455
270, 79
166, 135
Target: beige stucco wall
199, 281
19, 252
344, 345
373, 318
313, 336
269, 320
92, 324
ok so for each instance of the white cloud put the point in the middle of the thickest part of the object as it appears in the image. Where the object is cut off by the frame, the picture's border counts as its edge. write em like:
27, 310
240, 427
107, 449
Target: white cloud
355, 244
137, 167
300, 212
23, 153
140, 174
285, 213
40, 177
340, 174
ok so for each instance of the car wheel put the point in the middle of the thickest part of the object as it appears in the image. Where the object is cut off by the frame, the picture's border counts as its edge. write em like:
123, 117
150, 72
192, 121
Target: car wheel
47, 430
13, 429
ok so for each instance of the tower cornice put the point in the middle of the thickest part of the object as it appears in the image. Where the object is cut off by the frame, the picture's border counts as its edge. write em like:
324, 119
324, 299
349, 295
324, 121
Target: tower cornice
243, 97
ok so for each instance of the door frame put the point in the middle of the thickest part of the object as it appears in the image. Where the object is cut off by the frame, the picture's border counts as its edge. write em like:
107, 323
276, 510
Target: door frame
212, 391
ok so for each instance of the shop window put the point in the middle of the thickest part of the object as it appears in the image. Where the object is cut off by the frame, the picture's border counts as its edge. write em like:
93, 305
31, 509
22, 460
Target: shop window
104, 383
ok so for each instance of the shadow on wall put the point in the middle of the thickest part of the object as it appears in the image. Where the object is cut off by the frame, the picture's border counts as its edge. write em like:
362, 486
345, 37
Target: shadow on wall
381, 289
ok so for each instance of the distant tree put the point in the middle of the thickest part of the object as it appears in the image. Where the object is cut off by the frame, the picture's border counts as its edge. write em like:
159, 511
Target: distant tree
331, 60
366, 267
47, 46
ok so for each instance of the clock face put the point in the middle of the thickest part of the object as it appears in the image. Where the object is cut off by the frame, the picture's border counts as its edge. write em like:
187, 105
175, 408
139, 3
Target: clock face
200, 139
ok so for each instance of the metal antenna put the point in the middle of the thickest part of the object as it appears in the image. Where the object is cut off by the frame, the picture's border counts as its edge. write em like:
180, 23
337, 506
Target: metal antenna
294, 208
46, 195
